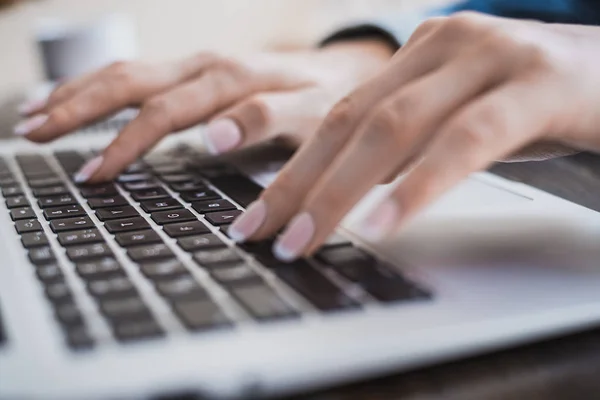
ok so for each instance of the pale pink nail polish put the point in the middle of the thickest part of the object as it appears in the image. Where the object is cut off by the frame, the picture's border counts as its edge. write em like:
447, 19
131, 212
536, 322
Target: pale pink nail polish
29, 125
88, 169
32, 106
295, 238
222, 135
381, 221
249, 222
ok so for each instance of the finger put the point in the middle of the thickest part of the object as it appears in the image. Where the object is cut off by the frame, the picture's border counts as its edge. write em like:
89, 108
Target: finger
486, 130
118, 86
265, 116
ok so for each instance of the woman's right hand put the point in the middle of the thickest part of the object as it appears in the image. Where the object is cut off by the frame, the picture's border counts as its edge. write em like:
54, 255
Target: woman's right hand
246, 100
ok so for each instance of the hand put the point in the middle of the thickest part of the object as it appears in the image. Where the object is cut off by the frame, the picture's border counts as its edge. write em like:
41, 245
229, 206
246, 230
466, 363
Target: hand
463, 92
248, 100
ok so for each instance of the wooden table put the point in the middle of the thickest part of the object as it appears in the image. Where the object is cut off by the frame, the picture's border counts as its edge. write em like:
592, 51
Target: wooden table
561, 369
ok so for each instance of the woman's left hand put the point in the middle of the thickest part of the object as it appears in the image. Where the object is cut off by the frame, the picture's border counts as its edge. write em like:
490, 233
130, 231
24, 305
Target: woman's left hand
463, 92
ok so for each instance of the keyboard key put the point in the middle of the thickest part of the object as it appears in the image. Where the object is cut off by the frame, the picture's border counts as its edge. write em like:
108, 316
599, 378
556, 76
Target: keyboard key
50, 191
262, 302
110, 201
58, 292
41, 255
28, 225
193, 185
102, 190
99, 269
178, 178
149, 252
64, 212
201, 242
124, 309
204, 207
216, 170
79, 338
68, 314
55, 201
137, 238
199, 194
173, 216
336, 240
223, 217
134, 177
136, 167
209, 258
49, 273
17, 201
224, 229
21, 213
88, 251
240, 188
163, 269
71, 224
34, 239
150, 194
112, 287
142, 185
126, 225
7, 180
186, 229
9, 191
129, 331
83, 236
105, 214
181, 288
235, 274
198, 315
46, 181
151, 206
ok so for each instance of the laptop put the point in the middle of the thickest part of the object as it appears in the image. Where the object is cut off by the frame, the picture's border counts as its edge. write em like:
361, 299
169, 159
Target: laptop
132, 289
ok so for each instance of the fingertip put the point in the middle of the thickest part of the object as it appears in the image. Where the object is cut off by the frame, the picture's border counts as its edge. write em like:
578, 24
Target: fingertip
221, 136
29, 125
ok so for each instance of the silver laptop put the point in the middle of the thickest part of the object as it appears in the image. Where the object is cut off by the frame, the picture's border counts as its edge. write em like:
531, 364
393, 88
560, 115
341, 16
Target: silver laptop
132, 289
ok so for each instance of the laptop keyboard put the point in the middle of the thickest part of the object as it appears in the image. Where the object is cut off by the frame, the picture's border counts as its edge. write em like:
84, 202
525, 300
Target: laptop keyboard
167, 216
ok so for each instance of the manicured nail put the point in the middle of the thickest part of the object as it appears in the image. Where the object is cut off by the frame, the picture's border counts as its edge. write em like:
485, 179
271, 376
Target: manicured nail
88, 169
221, 136
29, 125
32, 106
249, 222
381, 221
295, 238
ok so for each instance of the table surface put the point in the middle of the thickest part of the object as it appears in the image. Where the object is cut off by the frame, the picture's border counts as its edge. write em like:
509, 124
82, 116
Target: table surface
564, 368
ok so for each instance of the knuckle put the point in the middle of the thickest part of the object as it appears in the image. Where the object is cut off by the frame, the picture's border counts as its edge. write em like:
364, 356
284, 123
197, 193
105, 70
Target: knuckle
121, 72
382, 127
429, 25
462, 22
341, 117
259, 111
477, 129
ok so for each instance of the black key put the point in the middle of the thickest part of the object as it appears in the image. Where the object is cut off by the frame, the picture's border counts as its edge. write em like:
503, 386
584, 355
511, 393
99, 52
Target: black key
79, 338
50, 191
124, 309
197, 195
7, 180
99, 269
134, 177
177, 178
9, 191
34, 239
41, 255
110, 201
46, 181
201, 242
193, 185
314, 286
150, 194
129, 331
71, 224
118, 286
262, 302
49, 273
208, 258
21, 213
204, 207
262, 251
103, 190
137, 238
173, 216
88, 251
55, 201
135, 167
215, 170
163, 269
185, 229
198, 315
224, 229
151, 206
68, 314
181, 288
222, 217
169, 167
105, 214
17, 201
234, 274
126, 225
240, 188
142, 185
149, 252
28, 225
74, 210
58, 292
83, 236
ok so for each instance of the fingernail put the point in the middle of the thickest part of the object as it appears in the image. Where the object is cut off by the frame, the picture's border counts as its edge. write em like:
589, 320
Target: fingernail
31, 124
295, 238
249, 222
221, 136
88, 169
381, 221
32, 106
